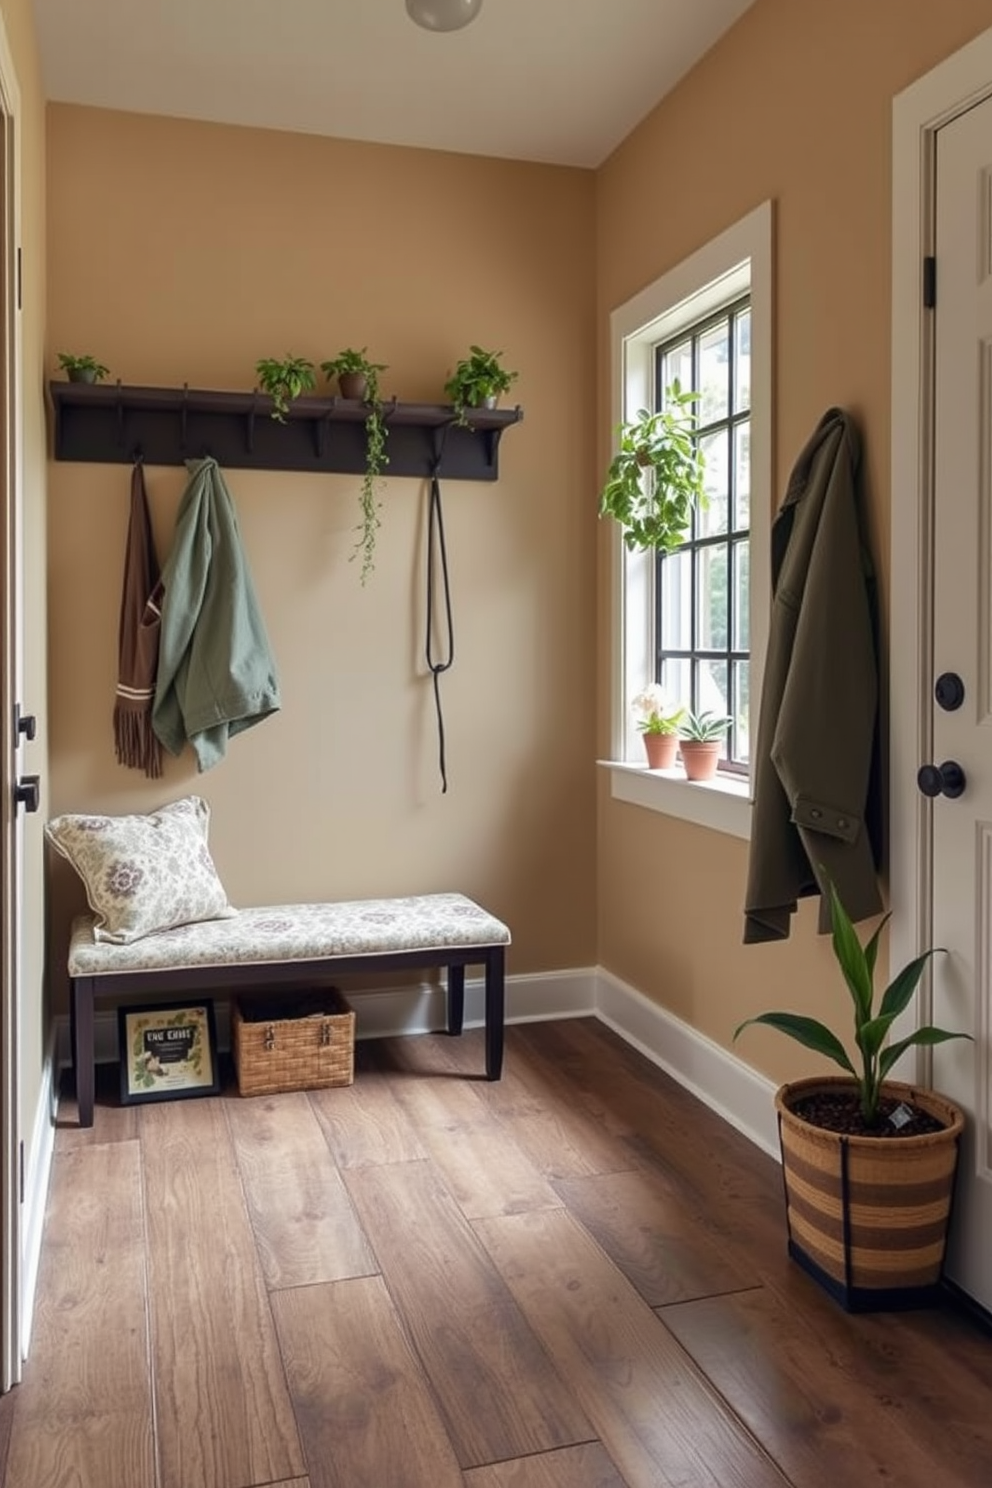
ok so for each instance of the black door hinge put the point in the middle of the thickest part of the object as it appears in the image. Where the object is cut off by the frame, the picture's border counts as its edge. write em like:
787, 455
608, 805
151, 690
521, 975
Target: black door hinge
929, 282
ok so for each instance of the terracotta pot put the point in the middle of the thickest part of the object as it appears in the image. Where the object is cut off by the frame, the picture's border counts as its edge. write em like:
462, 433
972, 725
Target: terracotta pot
352, 384
660, 750
868, 1216
700, 757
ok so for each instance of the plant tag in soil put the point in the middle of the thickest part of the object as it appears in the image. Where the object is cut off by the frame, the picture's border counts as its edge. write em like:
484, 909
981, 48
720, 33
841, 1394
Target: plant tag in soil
900, 1116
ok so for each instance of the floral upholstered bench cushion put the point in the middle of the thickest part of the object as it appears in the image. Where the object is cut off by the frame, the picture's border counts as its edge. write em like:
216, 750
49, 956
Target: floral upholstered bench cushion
294, 932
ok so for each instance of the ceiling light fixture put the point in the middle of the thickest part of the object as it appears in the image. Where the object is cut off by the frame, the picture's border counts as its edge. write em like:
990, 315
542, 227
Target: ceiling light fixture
443, 15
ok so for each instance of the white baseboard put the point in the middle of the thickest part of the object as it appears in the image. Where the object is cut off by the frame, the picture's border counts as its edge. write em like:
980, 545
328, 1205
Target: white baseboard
37, 1173
722, 1081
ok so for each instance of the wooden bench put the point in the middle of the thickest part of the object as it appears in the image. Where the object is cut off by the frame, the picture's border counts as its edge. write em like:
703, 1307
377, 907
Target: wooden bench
273, 946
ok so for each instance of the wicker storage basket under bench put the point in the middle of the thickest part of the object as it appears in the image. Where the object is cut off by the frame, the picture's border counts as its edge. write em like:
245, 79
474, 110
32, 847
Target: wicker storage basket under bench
302, 1041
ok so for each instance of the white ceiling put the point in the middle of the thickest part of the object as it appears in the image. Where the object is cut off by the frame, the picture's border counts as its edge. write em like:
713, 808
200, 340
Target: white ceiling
558, 81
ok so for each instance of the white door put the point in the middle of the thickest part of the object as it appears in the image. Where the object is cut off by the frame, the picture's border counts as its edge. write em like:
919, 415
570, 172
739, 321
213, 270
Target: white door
962, 648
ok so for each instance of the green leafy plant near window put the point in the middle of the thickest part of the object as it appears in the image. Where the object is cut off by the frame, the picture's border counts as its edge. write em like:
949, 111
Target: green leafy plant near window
356, 363
656, 476
82, 368
703, 728
284, 381
871, 1028
477, 381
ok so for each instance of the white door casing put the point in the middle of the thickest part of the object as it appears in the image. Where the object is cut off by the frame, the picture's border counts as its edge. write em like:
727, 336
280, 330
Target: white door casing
961, 827
941, 852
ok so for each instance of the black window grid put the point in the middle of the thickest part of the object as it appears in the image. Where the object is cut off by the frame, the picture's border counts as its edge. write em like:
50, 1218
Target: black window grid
732, 659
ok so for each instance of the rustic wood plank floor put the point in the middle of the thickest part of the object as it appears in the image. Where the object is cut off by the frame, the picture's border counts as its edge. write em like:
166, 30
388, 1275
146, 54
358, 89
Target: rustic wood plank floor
573, 1278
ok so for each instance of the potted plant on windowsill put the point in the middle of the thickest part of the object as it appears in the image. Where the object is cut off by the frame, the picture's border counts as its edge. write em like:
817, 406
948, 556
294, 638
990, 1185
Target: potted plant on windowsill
658, 720
357, 377
656, 476
701, 737
478, 382
82, 368
869, 1164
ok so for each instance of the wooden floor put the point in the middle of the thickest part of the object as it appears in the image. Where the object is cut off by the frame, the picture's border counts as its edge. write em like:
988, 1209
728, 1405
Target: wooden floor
573, 1278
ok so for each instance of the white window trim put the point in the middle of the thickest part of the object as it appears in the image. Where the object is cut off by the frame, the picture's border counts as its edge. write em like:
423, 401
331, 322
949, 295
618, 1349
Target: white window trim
738, 261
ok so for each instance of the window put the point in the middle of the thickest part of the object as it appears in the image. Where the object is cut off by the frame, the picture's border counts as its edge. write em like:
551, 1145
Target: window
696, 620
702, 620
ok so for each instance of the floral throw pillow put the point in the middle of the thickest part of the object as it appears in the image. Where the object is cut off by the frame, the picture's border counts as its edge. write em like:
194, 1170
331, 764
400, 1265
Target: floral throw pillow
144, 873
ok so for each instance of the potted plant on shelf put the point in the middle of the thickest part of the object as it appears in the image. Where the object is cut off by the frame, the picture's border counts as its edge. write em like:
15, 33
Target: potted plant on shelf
357, 377
869, 1163
82, 368
701, 737
656, 476
284, 381
477, 382
658, 721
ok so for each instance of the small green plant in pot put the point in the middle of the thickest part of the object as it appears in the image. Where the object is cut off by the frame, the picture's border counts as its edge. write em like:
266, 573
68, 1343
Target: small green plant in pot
285, 381
657, 720
869, 1163
656, 476
82, 368
701, 737
478, 382
358, 377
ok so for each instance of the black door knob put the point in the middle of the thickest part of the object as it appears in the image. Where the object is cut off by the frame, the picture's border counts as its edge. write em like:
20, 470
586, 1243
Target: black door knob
949, 691
941, 780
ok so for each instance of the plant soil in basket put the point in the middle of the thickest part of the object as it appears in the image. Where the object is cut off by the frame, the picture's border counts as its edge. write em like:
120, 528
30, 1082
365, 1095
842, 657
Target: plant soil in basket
840, 1111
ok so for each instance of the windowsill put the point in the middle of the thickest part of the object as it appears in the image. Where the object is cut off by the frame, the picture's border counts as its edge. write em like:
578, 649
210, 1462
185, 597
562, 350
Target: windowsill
723, 804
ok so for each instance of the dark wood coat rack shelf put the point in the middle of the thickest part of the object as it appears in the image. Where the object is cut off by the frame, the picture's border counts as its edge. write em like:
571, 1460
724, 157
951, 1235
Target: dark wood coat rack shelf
167, 426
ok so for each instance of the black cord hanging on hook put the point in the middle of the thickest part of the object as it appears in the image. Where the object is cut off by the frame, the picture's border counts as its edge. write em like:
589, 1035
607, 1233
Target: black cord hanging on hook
436, 550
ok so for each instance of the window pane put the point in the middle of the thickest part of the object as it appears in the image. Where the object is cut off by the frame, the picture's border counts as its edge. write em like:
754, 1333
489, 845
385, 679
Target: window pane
676, 602
711, 696
714, 370
713, 517
676, 679
742, 554
711, 577
742, 363
742, 476
677, 367
742, 712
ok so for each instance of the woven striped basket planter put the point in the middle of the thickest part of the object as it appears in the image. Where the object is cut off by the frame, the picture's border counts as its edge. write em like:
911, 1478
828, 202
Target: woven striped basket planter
868, 1216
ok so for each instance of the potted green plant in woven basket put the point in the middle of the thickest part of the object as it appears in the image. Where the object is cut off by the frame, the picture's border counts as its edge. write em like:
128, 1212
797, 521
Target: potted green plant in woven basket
869, 1163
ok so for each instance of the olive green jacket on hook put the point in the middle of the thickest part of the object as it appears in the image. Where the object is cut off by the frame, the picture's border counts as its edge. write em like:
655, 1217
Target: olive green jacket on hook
216, 673
815, 765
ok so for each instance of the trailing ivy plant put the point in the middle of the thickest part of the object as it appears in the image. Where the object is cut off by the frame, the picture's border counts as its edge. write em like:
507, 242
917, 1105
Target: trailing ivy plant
376, 458
284, 381
656, 476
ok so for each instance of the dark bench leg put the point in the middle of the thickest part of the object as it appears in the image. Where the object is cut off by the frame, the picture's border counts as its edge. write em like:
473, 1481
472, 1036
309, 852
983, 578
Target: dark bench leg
456, 999
83, 1053
495, 984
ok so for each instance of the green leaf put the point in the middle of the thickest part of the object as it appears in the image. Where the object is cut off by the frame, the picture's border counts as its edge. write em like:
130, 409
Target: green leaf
808, 1031
923, 1036
900, 990
851, 958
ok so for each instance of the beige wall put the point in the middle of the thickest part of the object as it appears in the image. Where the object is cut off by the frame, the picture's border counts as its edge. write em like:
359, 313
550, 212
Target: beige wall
794, 104
184, 252
32, 758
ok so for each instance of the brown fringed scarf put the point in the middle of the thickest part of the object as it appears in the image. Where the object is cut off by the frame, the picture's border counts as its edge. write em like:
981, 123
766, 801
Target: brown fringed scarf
137, 641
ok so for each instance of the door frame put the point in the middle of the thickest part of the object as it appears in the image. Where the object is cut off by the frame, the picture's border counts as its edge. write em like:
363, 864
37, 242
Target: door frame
955, 85
12, 1331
